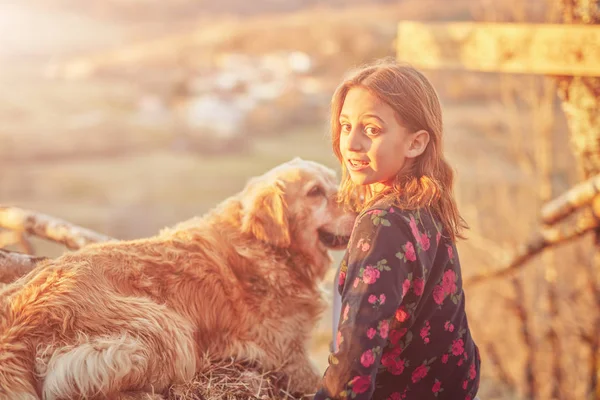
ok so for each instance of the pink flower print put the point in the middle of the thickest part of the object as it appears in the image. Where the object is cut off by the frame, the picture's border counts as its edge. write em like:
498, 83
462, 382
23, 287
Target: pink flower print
396, 367
401, 314
448, 326
360, 243
418, 286
413, 227
360, 384
465, 384
436, 386
438, 294
395, 396
342, 278
339, 339
409, 251
387, 359
370, 275
438, 236
356, 282
449, 281
424, 242
468, 396
394, 353
346, 310
419, 373
472, 372
391, 209
450, 252
396, 335
365, 247
373, 299
451, 289
425, 332
460, 362
371, 333
444, 358
367, 359
458, 347
384, 328
405, 287
392, 364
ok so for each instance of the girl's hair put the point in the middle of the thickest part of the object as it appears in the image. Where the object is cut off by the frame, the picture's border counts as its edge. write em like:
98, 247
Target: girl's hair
426, 182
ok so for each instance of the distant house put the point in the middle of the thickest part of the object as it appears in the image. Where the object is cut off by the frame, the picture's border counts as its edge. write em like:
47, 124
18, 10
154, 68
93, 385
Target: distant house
214, 115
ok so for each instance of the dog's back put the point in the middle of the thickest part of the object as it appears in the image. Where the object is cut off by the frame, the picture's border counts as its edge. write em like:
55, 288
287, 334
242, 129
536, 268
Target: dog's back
70, 326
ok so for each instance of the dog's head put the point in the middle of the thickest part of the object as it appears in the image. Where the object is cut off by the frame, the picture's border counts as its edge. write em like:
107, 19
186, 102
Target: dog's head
293, 206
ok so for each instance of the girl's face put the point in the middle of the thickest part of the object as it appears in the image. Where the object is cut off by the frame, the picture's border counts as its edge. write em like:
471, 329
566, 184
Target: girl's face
373, 144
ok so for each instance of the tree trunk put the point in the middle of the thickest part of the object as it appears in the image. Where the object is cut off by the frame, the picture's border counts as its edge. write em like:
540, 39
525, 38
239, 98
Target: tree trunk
581, 103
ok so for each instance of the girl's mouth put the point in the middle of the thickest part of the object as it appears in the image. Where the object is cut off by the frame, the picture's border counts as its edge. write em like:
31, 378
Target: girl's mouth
357, 165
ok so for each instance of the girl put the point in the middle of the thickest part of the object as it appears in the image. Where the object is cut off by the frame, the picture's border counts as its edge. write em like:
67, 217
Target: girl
403, 331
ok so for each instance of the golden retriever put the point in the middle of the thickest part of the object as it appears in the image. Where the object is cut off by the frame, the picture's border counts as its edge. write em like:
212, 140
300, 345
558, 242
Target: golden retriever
138, 315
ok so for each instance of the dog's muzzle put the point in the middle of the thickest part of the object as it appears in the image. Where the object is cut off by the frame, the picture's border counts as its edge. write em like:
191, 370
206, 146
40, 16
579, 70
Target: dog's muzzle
332, 240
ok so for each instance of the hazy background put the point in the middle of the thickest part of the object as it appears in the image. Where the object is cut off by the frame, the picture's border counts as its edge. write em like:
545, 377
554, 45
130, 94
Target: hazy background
125, 116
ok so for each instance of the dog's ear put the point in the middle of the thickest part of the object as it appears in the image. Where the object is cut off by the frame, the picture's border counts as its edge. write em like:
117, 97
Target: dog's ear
266, 214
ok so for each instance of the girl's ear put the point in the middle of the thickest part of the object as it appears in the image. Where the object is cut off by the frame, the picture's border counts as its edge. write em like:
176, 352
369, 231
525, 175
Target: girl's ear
418, 144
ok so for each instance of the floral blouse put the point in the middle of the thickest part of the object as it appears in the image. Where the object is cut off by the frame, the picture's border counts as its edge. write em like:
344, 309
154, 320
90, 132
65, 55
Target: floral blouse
403, 331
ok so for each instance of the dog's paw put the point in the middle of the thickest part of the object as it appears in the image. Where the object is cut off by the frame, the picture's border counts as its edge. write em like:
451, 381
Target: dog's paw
305, 383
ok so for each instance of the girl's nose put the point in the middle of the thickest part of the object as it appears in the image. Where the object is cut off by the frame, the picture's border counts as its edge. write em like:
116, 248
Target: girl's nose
355, 140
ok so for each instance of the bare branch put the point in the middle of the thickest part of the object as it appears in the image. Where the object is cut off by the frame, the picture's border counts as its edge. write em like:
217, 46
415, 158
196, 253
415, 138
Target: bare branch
47, 227
485, 245
8, 238
14, 265
548, 236
592, 340
528, 339
574, 199
25, 244
553, 337
496, 361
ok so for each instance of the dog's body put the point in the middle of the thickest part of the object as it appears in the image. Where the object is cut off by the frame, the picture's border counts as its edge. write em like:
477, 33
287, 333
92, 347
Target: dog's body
240, 282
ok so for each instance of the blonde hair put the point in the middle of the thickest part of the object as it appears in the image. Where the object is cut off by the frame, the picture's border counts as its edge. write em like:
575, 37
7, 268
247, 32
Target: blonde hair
426, 182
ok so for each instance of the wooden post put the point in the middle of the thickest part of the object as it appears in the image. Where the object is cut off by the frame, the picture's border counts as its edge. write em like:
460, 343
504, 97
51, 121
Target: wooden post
548, 49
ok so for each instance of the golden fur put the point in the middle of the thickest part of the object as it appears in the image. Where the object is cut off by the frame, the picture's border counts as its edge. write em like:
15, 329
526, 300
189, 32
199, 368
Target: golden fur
241, 282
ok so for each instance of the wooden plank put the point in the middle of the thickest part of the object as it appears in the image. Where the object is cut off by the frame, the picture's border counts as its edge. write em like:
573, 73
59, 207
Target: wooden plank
550, 49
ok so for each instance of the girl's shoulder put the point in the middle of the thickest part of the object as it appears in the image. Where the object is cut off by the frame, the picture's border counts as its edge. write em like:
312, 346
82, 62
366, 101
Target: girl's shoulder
386, 213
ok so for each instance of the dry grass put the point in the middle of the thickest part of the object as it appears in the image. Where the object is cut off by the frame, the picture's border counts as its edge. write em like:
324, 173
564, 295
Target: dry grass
232, 381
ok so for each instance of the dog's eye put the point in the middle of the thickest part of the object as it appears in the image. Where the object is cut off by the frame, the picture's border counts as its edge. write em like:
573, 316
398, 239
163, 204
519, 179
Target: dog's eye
316, 191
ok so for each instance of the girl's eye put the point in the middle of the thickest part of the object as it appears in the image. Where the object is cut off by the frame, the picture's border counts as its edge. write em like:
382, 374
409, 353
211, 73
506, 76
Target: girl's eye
372, 131
346, 128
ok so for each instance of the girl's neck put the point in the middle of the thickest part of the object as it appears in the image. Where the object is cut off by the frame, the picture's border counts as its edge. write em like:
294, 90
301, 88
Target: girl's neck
374, 196
375, 189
